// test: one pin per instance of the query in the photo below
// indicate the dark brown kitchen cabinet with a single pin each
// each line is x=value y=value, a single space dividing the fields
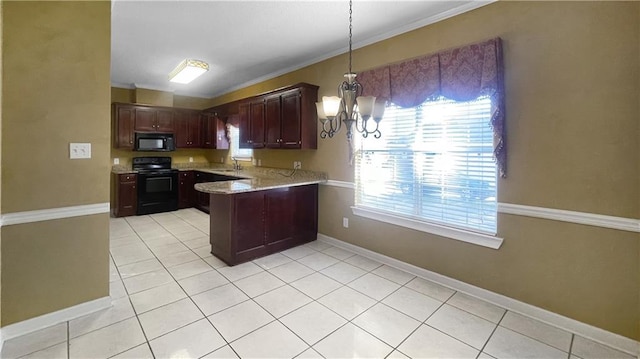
x=249 y=211
x=214 y=132
x=252 y=124
x=244 y=110
x=285 y=118
x=186 y=192
x=248 y=225
x=153 y=119
x=124 y=117
x=188 y=125
x=298 y=120
x=272 y=122
x=284 y=121
x=126 y=196
x=256 y=124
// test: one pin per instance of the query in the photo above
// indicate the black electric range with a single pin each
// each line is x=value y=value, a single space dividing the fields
x=157 y=185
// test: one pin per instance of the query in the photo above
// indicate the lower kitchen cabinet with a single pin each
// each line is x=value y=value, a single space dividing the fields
x=186 y=192
x=126 y=195
x=249 y=225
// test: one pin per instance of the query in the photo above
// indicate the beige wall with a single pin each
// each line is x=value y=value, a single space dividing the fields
x=572 y=85
x=153 y=97
x=51 y=265
x=56 y=62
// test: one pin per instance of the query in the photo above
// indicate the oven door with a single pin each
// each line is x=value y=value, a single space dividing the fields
x=157 y=192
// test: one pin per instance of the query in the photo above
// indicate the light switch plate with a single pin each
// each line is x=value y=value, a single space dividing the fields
x=79 y=150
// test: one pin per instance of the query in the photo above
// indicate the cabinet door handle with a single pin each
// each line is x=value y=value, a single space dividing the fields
x=292 y=143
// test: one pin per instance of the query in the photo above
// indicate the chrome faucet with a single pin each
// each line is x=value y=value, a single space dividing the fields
x=236 y=166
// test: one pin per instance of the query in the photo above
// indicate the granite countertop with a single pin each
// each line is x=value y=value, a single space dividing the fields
x=253 y=178
x=259 y=179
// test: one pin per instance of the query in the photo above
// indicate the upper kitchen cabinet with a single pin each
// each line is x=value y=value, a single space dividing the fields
x=291 y=120
x=188 y=125
x=251 y=122
x=285 y=118
x=153 y=119
x=214 y=132
x=123 y=118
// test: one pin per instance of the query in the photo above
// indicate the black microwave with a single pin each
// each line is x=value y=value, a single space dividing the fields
x=154 y=142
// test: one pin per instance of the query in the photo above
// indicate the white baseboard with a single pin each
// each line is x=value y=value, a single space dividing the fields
x=602 y=336
x=31 y=325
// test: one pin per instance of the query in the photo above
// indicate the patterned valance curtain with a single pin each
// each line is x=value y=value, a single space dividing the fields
x=460 y=74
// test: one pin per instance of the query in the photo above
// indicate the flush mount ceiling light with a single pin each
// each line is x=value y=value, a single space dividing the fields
x=349 y=106
x=188 y=70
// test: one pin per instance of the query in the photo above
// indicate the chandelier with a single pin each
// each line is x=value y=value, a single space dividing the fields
x=350 y=107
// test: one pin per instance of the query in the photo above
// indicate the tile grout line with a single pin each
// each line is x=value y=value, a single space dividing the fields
x=424 y=322
x=573 y=337
x=147 y=341
x=135 y=314
x=319 y=303
x=185 y=292
x=348 y=321
x=207 y=317
x=345 y=285
x=69 y=338
x=538 y=340
x=492 y=332
x=289 y=284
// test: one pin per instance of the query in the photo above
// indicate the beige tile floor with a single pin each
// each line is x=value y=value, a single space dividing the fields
x=173 y=299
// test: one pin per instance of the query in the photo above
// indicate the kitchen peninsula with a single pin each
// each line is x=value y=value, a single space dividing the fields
x=265 y=211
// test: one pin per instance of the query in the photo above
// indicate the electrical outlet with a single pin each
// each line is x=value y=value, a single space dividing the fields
x=297 y=165
x=190 y=159
x=253 y=161
x=221 y=159
x=79 y=150
x=116 y=161
x=345 y=222
x=259 y=162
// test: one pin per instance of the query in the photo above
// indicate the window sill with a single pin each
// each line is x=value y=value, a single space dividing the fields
x=480 y=239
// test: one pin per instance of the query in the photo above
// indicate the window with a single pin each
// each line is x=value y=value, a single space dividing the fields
x=434 y=163
x=242 y=154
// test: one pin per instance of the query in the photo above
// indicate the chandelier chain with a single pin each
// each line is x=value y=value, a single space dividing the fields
x=350 y=30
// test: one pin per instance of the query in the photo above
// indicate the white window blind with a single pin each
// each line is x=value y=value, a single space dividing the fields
x=433 y=163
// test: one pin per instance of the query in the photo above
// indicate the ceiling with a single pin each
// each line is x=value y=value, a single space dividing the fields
x=246 y=42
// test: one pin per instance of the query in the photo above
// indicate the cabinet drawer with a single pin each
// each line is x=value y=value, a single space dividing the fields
x=127 y=178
